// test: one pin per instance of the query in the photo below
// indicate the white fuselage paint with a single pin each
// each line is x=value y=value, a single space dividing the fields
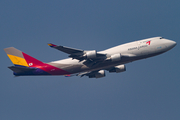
x=130 y=52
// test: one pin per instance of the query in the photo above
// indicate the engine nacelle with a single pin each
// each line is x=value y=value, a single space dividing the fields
x=119 y=68
x=91 y=54
x=99 y=74
x=116 y=57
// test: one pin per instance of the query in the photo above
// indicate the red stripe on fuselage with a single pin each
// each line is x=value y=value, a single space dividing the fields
x=32 y=62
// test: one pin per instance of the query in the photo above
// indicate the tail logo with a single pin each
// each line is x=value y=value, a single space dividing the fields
x=30 y=64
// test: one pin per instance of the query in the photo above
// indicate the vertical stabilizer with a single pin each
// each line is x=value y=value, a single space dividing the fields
x=20 y=58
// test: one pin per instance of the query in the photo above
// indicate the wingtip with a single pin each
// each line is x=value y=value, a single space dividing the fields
x=68 y=75
x=51 y=45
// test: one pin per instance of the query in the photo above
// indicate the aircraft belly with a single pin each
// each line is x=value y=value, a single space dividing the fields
x=77 y=68
x=71 y=68
x=104 y=65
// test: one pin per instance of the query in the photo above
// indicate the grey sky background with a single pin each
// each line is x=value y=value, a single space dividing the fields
x=148 y=90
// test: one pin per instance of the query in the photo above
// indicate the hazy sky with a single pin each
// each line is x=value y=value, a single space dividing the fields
x=148 y=90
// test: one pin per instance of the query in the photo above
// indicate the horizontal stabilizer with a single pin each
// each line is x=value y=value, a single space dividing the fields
x=18 y=69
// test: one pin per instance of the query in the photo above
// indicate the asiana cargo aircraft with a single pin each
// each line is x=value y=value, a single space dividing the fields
x=88 y=62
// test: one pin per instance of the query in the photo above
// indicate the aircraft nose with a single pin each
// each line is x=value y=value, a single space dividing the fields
x=171 y=44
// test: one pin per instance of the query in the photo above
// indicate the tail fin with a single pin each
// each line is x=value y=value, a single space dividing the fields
x=20 y=58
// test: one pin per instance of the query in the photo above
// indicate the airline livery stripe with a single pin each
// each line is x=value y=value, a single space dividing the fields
x=32 y=62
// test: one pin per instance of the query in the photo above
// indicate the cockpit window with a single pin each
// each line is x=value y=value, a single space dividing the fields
x=161 y=38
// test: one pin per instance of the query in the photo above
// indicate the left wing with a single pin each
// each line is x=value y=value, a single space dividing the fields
x=80 y=54
x=67 y=50
x=101 y=73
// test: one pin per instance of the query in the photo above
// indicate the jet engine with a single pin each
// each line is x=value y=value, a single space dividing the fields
x=116 y=57
x=119 y=68
x=98 y=74
x=91 y=54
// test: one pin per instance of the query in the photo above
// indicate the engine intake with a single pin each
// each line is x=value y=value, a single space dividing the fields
x=119 y=68
x=99 y=74
x=116 y=57
x=91 y=54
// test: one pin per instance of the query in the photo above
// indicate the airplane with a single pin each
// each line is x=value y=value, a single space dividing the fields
x=88 y=62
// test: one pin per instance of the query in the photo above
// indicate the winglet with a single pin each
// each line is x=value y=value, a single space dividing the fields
x=67 y=75
x=51 y=45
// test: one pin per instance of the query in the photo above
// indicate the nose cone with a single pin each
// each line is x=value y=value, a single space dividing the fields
x=174 y=43
x=168 y=43
x=171 y=44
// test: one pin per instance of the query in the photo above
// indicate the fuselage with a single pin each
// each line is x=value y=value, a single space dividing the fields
x=129 y=52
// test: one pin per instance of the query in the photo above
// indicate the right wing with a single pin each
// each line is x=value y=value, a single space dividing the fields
x=93 y=74
x=101 y=73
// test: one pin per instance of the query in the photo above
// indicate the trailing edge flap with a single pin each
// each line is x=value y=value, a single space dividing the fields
x=18 y=69
x=67 y=50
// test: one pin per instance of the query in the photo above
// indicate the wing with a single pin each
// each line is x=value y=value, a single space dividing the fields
x=101 y=73
x=67 y=50
x=93 y=74
x=80 y=54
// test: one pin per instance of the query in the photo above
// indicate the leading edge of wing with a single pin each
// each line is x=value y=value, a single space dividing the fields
x=65 y=49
